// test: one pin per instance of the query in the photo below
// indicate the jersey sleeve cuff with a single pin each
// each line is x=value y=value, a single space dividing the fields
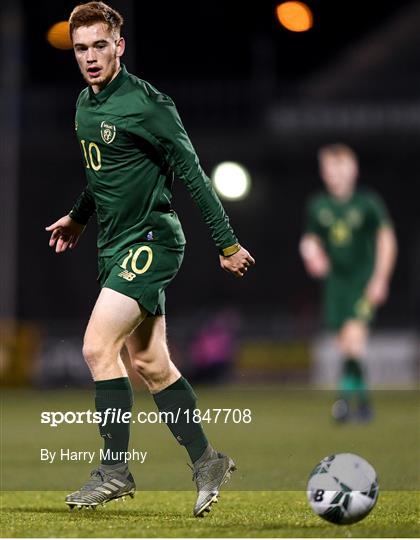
x=230 y=250
x=78 y=218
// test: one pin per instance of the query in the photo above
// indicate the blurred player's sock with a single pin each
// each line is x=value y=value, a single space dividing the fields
x=117 y=395
x=179 y=399
x=352 y=380
x=353 y=383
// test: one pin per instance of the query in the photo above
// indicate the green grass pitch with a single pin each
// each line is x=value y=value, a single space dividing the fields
x=289 y=432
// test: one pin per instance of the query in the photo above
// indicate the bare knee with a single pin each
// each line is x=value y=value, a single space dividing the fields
x=156 y=370
x=352 y=339
x=98 y=355
x=149 y=354
x=148 y=365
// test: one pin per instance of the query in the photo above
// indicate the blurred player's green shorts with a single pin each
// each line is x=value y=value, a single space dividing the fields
x=344 y=299
x=142 y=272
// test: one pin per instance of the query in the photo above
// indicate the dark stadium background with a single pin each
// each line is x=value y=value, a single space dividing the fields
x=248 y=90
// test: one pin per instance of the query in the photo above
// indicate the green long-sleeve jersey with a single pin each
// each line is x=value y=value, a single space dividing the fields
x=133 y=144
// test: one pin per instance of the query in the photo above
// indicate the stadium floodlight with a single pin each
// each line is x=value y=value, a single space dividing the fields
x=295 y=16
x=231 y=180
x=58 y=36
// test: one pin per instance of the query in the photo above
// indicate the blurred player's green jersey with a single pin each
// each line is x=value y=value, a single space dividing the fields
x=133 y=144
x=348 y=232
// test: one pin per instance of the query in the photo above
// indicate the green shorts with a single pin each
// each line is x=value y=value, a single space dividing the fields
x=142 y=272
x=344 y=299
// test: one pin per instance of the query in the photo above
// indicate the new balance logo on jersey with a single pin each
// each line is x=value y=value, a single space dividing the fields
x=125 y=274
x=108 y=132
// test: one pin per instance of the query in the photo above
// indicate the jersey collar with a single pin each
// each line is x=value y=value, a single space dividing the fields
x=110 y=88
x=338 y=202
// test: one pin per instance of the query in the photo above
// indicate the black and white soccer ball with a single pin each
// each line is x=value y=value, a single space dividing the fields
x=343 y=488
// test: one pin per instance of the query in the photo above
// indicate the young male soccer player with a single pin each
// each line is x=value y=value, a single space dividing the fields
x=349 y=241
x=133 y=143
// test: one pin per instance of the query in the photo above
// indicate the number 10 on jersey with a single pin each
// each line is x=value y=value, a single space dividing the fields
x=92 y=155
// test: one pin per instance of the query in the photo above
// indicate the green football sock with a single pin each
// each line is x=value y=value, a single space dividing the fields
x=352 y=380
x=117 y=395
x=179 y=399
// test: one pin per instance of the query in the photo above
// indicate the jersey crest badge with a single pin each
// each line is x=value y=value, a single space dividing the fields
x=108 y=132
x=340 y=233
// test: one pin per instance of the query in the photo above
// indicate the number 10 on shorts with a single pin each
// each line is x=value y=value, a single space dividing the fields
x=133 y=256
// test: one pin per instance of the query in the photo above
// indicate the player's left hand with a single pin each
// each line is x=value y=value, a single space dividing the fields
x=238 y=263
x=377 y=291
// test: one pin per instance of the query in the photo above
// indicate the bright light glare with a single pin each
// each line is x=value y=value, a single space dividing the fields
x=231 y=180
x=59 y=36
x=295 y=16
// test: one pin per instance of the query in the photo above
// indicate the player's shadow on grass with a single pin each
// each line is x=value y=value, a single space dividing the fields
x=100 y=513
x=248 y=530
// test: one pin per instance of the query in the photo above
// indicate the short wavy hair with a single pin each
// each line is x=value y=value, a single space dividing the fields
x=337 y=150
x=95 y=12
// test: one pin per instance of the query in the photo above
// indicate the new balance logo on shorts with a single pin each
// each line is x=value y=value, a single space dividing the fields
x=125 y=274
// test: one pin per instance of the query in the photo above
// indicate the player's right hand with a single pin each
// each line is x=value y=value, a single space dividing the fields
x=316 y=261
x=65 y=234
x=317 y=266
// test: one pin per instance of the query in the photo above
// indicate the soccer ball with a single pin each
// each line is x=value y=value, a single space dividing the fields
x=342 y=488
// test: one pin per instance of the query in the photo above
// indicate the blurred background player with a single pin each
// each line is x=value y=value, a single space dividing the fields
x=133 y=143
x=350 y=243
